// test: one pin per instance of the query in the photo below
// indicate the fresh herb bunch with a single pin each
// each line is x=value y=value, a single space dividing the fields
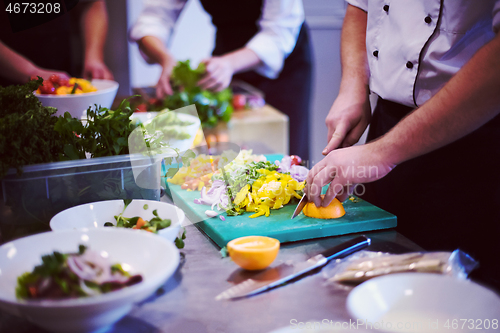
x=31 y=134
x=105 y=133
x=212 y=107
x=27 y=133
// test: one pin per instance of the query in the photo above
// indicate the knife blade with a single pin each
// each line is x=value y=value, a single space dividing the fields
x=303 y=201
x=285 y=272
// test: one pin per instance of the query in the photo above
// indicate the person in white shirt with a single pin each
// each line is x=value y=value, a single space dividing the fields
x=433 y=151
x=262 y=42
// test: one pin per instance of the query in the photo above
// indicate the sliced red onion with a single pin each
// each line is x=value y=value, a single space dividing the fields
x=211 y=213
x=298 y=172
x=91 y=266
x=222 y=217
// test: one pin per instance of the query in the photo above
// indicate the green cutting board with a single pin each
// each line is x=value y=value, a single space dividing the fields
x=360 y=216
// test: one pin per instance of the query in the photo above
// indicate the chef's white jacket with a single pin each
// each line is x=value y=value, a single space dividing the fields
x=279 y=27
x=415 y=46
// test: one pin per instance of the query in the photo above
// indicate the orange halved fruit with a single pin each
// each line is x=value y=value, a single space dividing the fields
x=253 y=252
x=333 y=211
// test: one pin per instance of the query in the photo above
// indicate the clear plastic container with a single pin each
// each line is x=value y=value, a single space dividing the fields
x=30 y=200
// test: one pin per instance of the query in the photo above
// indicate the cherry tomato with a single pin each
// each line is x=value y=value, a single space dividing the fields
x=47 y=88
x=239 y=101
x=54 y=78
x=141 y=108
x=63 y=82
x=296 y=160
x=155 y=101
x=34 y=77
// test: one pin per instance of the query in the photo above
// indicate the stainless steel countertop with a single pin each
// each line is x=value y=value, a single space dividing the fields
x=187 y=303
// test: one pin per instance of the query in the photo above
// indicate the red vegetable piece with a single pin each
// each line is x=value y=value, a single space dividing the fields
x=141 y=108
x=239 y=101
x=54 y=78
x=296 y=160
x=47 y=88
x=63 y=82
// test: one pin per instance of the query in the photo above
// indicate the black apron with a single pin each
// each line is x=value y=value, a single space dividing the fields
x=446 y=199
x=237 y=23
x=47 y=45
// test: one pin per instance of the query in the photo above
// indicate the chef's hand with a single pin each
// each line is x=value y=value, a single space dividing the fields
x=218 y=74
x=45 y=74
x=96 y=69
x=163 y=86
x=347 y=120
x=344 y=168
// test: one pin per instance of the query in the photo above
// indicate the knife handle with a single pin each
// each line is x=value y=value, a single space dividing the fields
x=346 y=248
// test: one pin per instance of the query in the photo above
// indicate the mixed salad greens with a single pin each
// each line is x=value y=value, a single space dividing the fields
x=71 y=275
x=212 y=107
x=251 y=186
x=136 y=222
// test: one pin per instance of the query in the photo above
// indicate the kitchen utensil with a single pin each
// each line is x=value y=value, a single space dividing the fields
x=285 y=272
x=300 y=206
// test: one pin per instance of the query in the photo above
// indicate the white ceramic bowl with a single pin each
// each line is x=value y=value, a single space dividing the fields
x=94 y=215
x=153 y=257
x=77 y=104
x=424 y=302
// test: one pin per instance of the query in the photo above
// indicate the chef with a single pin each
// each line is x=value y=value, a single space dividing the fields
x=262 y=42
x=46 y=49
x=433 y=150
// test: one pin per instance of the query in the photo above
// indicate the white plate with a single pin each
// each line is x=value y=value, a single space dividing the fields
x=424 y=302
x=94 y=215
x=155 y=258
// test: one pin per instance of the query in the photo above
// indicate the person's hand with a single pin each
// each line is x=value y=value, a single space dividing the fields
x=347 y=120
x=94 y=69
x=45 y=74
x=218 y=75
x=344 y=168
x=163 y=87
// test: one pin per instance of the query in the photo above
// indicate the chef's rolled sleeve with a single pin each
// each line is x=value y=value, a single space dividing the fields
x=157 y=19
x=496 y=17
x=361 y=4
x=279 y=28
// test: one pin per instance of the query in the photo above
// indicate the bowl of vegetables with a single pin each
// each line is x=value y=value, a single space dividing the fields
x=82 y=280
x=155 y=217
x=76 y=95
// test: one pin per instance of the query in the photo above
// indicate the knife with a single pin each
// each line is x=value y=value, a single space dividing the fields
x=285 y=272
x=300 y=206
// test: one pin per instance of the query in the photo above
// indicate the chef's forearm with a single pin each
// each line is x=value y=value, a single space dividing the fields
x=469 y=100
x=94 y=24
x=156 y=51
x=15 y=67
x=243 y=59
x=354 y=62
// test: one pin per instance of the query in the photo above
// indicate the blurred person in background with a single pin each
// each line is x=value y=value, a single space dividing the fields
x=433 y=151
x=262 y=42
x=47 y=49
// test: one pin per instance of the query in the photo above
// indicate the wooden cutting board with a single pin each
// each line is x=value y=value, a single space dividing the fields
x=360 y=216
